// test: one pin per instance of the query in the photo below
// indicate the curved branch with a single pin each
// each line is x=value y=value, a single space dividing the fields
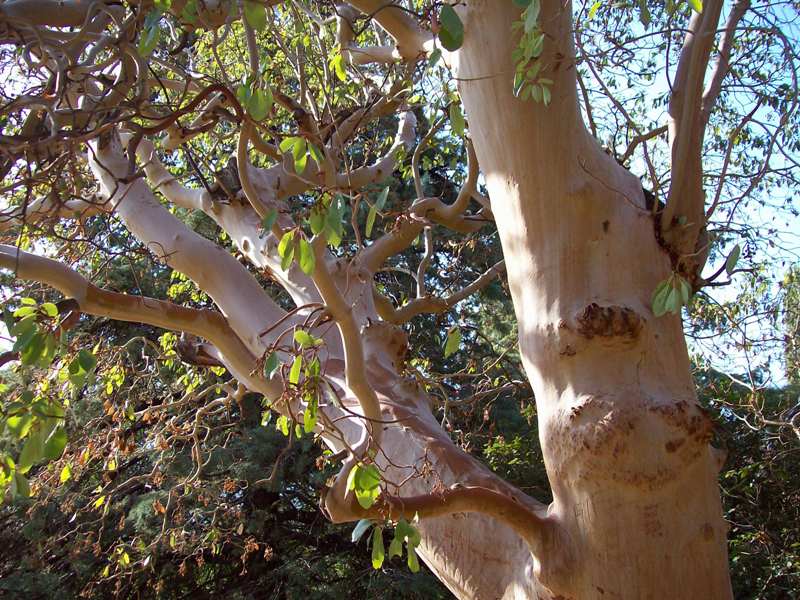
x=355 y=366
x=723 y=60
x=214 y=270
x=424 y=211
x=411 y=40
x=96 y=301
x=683 y=217
x=432 y=304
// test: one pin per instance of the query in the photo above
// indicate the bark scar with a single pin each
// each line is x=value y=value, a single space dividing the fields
x=608 y=321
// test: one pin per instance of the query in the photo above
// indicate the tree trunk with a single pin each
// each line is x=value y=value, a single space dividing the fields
x=625 y=443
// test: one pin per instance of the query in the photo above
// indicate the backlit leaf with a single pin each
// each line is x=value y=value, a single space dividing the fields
x=451 y=32
x=453 y=341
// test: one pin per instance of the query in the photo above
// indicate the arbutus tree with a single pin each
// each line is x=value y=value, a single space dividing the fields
x=120 y=120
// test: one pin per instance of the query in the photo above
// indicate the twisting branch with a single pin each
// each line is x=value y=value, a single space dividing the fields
x=639 y=139
x=208 y=324
x=355 y=366
x=723 y=60
x=432 y=304
x=424 y=211
x=49 y=207
x=214 y=270
x=527 y=517
x=411 y=40
x=682 y=219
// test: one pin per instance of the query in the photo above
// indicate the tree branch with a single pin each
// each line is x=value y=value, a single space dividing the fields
x=723 y=60
x=683 y=217
x=432 y=304
x=355 y=366
x=96 y=301
x=213 y=269
x=424 y=211
x=410 y=38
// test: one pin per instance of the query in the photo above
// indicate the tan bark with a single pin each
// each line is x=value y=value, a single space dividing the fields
x=636 y=511
x=625 y=444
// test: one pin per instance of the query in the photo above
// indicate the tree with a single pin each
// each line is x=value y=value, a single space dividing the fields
x=298 y=309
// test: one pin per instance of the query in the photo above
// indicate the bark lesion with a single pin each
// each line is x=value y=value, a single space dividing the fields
x=608 y=321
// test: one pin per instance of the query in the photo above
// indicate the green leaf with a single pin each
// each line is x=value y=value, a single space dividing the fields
x=87 y=360
x=310 y=415
x=413 y=561
x=532 y=16
x=271 y=364
x=151 y=33
x=373 y=213
x=313 y=368
x=24 y=311
x=32 y=452
x=50 y=309
x=367 y=477
x=243 y=93
x=316 y=154
x=396 y=546
x=673 y=300
x=546 y=95
x=19 y=486
x=294 y=372
x=269 y=220
x=189 y=12
x=536 y=93
x=453 y=341
x=378 y=550
x=260 y=103
x=19 y=425
x=414 y=537
x=256 y=15
x=685 y=290
x=25 y=330
x=360 y=529
x=522 y=3
x=286 y=243
x=733 y=258
x=451 y=32
x=305 y=339
x=457 y=119
x=593 y=10
x=287 y=259
x=351 y=478
x=659 y=299
x=365 y=482
x=333 y=218
x=367 y=497
x=644 y=13
x=300 y=155
x=380 y=202
x=307 y=260
x=435 y=56
x=55 y=444
x=287 y=144
x=317 y=220
x=336 y=64
x=32 y=351
x=697 y=5
x=282 y=425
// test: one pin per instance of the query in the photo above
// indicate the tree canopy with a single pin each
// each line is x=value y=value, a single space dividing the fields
x=223 y=222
